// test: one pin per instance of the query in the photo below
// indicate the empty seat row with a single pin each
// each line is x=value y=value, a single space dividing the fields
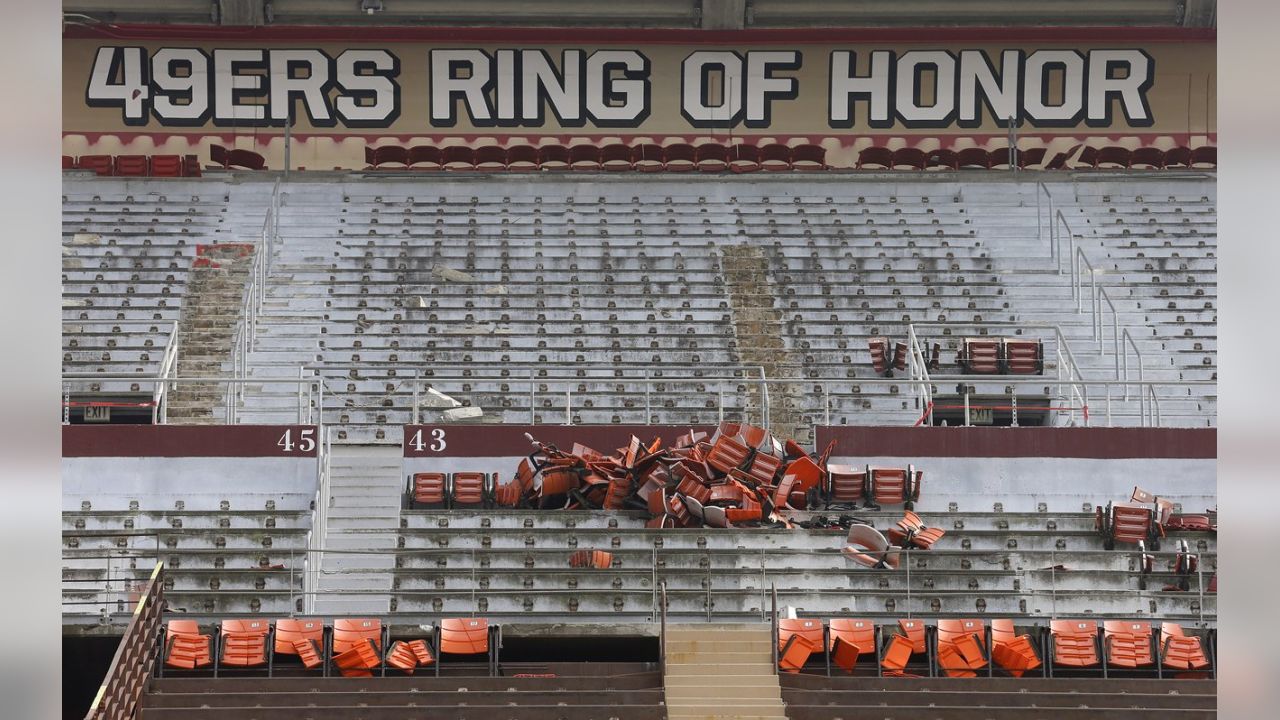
x=646 y=157
x=354 y=646
x=967 y=648
x=135 y=165
x=1089 y=157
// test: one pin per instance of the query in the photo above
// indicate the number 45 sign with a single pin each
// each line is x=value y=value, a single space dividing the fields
x=298 y=441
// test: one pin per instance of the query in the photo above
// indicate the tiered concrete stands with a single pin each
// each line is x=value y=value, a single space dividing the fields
x=242 y=560
x=474 y=283
x=128 y=246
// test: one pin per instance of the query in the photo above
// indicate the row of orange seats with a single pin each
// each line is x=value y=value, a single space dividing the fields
x=353 y=645
x=644 y=157
x=965 y=648
x=135 y=165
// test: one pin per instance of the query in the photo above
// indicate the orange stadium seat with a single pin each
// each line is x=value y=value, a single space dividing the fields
x=979 y=356
x=597 y=559
x=1127 y=643
x=470 y=489
x=464 y=636
x=797 y=640
x=1016 y=654
x=1127 y=523
x=879 y=349
x=961 y=647
x=846 y=486
x=911 y=531
x=1075 y=643
x=1021 y=357
x=1181 y=652
x=893 y=486
x=301 y=637
x=244 y=643
x=848 y=640
x=357 y=646
x=901 y=647
x=409 y=655
x=186 y=648
x=428 y=490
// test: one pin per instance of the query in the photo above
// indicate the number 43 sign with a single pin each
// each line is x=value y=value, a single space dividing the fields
x=428 y=440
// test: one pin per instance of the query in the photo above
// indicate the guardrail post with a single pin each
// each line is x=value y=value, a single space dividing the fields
x=648 y=411
x=966 y=406
x=773 y=624
x=533 y=391
x=1013 y=405
x=414 y=417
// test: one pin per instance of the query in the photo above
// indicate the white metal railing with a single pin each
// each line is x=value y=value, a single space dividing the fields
x=75 y=382
x=168 y=368
x=1062 y=227
x=1042 y=189
x=918 y=373
x=319 y=521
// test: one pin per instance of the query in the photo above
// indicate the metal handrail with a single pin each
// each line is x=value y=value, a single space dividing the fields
x=662 y=632
x=1041 y=187
x=168 y=367
x=1060 y=219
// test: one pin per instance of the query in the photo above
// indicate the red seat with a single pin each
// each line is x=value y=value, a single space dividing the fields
x=974 y=157
x=458 y=157
x=596 y=559
x=712 y=157
x=584 y=157
x=1114 y=156
x=387 y=155
x=190 y=166
x=879 y=349
x=616 y=157
x=100 y=164
x=1075 y=643
x=1204 y=156
x=553 y=157
x=893 y=486
x=1178 y=157
x=1059 y=161
x=244 y=642
x=522 y=157
x=425 y=157
x=944 y=158
x=1031 y=157
x=911 y=530
x=68 y=162
x=490 y=157
x=186 y=648
x=744 y=158
x=1088 y=157
x=910 y=640
x=775 y=157
x=913 y=158
x=464 y=636
x=1127 y=523
x=166 y=165
x=408 y=655
x=679 y=157
x=980 y=356
x=301 y=637
x=846 y=485
x=1147 y=157
x=1022 y=357
x=878 y=156
x=808 y=158
x=727 y=454
x=647 y=157
x=428 y=489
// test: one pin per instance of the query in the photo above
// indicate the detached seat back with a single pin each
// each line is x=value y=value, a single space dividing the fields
x=911 y=531
x=185 y=647
x=1015 y=653
x=961 y=647
x=867 y=546
x=1075 y=643
x=850 y=639
x=901 y=647
x=798 y=639
x=409 y=655
x=300 y=637
x=244 y=643
x=357 y=646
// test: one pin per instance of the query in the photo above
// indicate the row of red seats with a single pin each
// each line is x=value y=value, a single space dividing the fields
x=135 y=165
x=1001 y=356
x=645 y=157
x=1090 y=157
x=352 y=645
x=963 y=648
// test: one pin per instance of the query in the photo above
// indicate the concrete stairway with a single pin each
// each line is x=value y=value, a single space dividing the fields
x=758 y=328
x=721 y=671
x=206 y=332
x=364 y=514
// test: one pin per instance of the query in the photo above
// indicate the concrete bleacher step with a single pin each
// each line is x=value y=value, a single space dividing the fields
x=721 y=671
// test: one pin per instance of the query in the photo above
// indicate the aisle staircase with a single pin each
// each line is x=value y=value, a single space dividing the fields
x=721 y=670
